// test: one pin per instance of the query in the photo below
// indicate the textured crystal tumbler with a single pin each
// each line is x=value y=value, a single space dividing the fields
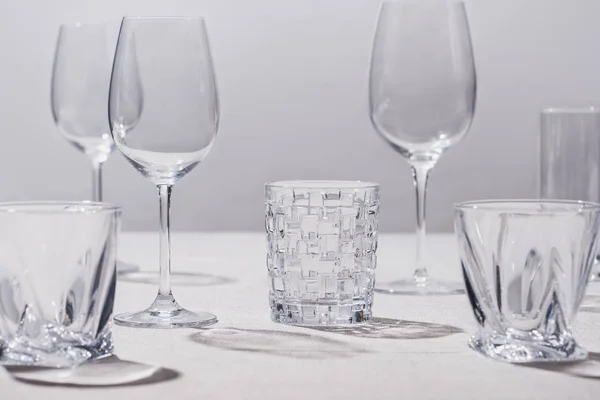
x=322 y=244
x=526 y=264
x=57 y=282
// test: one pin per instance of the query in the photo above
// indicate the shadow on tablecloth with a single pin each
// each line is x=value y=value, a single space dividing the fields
x=106 y=372
x=387 y=328
x=278 y=343
x=589 y=368
x=177 y=278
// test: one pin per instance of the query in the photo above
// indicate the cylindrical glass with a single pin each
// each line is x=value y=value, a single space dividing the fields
x=570 y=154
x=526 y=264
x=57 y=282
x=322 y=251
x=570 y=157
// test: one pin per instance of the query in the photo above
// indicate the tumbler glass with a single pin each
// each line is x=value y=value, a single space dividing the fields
x=526 y=264
x=57 y=282
x=322 y=245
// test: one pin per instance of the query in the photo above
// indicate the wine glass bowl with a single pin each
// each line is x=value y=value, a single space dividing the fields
x=422 y=78
x=164 y=114
x=149 y=141
x=422 y=91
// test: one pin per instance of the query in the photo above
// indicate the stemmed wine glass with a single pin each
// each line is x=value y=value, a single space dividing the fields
x=79 y=94
x=164 y=114
x=422 y=100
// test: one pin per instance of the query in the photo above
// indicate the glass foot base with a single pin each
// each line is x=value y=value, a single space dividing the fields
x=165 y=313
x=430 y=287
x=181 y=318
x=504 y=349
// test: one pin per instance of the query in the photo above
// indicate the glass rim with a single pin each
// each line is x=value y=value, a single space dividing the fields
x=55 y=207
x=322 y=184
x=79 y=24
x=446 y=3
x=503 y=205
x=570 y=110
x=166 y=17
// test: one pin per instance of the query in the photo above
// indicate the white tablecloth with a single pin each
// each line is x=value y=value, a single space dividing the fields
x=246 y=356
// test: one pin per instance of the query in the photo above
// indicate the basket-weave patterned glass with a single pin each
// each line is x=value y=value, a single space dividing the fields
x=322 y=243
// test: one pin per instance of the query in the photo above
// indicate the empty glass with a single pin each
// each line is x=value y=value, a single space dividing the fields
x=79 y=96
x=57 y=282
x=422 y=100
x=322 y=245
x=570 y=156
x=526 y=264
x=164 y=114
x=79 y=93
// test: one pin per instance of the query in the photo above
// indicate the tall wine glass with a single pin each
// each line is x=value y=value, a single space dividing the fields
x=164 y=114
x=79 y=94
x=422 y=100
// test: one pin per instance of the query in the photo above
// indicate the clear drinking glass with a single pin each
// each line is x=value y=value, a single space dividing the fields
x=322 y=245
x=79 y=92
x=422 y=100
x=57 y=282
x=526 y=264
x=570 y=157
x=79 y=95
x=164 y=114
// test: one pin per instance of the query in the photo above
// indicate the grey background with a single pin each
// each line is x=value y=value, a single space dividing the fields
x=293 y=86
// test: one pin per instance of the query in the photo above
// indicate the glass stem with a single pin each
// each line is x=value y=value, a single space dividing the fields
x=164 y=290
x=96 y=180
x=420 y=176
